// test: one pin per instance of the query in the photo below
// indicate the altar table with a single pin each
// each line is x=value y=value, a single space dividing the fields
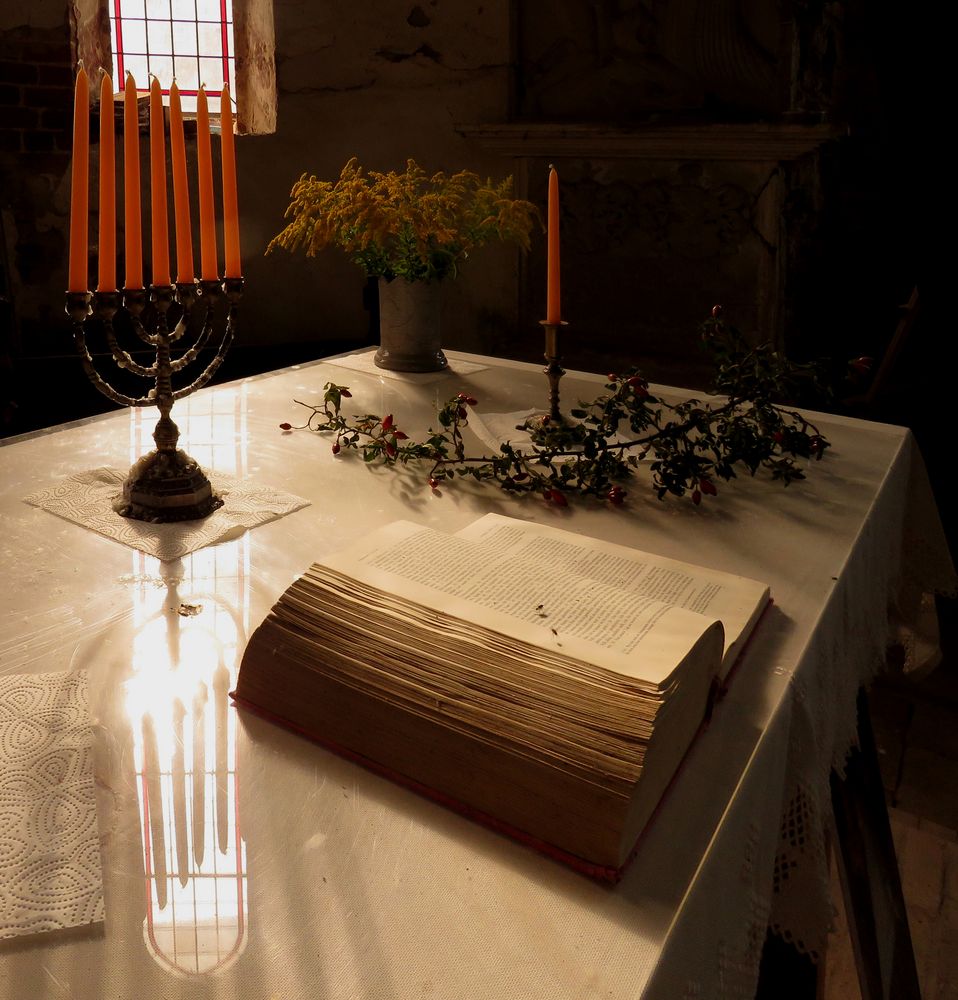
x=257 y=866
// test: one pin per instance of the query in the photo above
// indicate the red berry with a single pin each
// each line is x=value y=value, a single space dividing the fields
x=612 y=378
x=336 y=448
x=616 y=495
x=400 y=435
x=862 y=365
x=696 y=497
x=716 y=312
x=708 y=487
x=472 y=401
x=558 y=498
x=433 y=483
x=285 y=427
x=387 y=422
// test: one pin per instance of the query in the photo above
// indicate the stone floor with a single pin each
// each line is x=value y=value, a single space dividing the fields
x=916 y=732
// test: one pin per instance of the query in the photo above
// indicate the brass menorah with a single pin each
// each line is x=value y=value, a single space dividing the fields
x=165 y=485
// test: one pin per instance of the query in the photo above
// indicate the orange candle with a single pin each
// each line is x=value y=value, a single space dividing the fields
x=160 y=233
x=107 y=205
x=131 y=186
x=181 y=191
x=79 y=184
x=204 y=158
x=553 y=310
x=230 y=207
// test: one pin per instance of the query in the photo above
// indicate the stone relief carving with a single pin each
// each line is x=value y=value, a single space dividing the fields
x=663 y=217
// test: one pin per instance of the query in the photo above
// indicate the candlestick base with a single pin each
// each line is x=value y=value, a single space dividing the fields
x=167 y=485
x=553 y=370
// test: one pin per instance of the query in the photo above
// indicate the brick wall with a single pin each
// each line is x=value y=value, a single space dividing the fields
x=36 y=89
x=36 y=122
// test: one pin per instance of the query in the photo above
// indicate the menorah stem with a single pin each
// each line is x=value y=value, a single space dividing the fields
x=166 y=433
x=167 y=485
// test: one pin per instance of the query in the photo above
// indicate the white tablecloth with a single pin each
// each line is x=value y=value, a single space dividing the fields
x=241 y=861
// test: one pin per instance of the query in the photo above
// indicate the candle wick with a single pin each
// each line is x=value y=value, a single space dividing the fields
x=552 y=166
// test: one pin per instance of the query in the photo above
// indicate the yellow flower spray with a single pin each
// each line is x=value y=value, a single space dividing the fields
x=408 y=224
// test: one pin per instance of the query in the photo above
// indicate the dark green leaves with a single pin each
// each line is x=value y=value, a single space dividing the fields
x=692 y=444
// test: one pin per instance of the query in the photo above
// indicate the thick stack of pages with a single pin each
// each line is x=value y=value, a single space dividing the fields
x=543 y=682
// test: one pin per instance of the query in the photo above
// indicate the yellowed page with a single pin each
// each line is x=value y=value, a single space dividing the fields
x=736 y=601
x=630 y=634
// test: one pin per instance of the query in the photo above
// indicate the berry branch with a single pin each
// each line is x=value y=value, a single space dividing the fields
x=692 y=444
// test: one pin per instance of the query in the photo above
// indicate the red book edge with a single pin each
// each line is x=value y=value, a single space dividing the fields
x=601 y=873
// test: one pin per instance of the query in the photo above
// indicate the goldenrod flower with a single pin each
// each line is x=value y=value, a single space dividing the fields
x=405 y=224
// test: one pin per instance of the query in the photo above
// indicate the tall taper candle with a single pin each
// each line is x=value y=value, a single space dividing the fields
x=230 y=207
x=553 y=308
x=106 y=208
x=204 y=162
x=158 y=219
x=79 y=185
x=181 y=190
x=131 y=187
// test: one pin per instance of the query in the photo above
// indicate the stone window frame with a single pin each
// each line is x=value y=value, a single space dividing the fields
x=254 y=40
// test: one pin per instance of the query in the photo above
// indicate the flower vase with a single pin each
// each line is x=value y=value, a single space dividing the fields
x=409 y=332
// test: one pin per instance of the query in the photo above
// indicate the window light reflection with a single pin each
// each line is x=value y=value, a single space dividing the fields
x=189 y=632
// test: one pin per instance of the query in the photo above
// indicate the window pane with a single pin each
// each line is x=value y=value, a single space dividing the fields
x=137 y=65
x=211 y=73
x=211 y=39
x=159 y=38
x=162 y=68
x=134 y=36
x=184 y=38
x=208 y=10
x=187 y=72
x=188 y=104
x=158 y=8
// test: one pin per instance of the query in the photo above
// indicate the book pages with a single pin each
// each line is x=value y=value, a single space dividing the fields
x=736 y=601
x=585 y=619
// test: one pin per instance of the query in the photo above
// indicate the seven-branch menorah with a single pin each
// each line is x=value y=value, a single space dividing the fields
x=166 y=484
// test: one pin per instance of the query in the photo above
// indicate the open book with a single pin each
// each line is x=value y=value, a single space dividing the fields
x=546 y=683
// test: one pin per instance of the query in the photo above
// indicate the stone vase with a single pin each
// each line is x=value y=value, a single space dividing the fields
x=409 y=333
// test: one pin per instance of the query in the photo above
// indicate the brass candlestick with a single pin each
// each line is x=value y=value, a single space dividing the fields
x=554 y=370
x=165 y=485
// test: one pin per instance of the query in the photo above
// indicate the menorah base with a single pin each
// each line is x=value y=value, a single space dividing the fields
x=167 y=486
